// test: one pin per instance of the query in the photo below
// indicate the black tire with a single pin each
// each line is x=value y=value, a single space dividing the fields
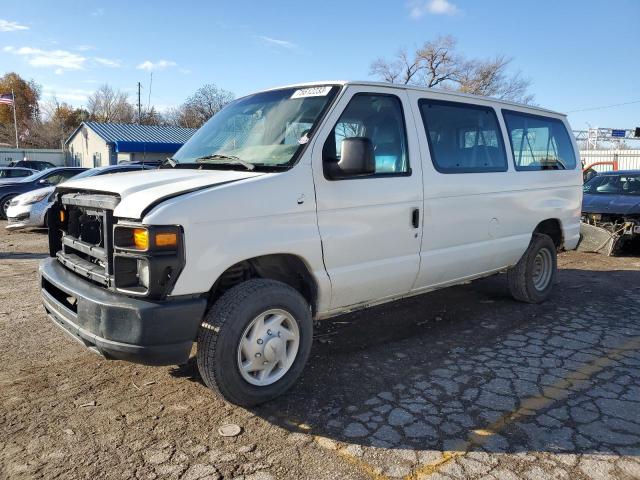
x=521 y=276
x=223 y=326
x=3 y=202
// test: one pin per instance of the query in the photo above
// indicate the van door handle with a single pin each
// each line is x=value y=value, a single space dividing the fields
x=415 y=217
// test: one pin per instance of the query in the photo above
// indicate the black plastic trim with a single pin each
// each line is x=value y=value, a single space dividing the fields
x=119 y=327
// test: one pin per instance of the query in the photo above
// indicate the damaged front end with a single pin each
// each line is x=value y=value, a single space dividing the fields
x=608 y=233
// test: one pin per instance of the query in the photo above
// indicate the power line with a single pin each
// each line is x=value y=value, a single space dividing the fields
x=604 y=106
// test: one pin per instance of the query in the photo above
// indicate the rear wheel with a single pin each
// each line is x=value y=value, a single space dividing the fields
x=255 y=341
x=531 y=279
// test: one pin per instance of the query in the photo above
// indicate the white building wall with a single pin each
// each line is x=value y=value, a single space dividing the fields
x=627 y=159
x=85 y=145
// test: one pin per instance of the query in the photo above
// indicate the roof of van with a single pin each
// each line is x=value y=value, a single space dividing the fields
x=437 y=91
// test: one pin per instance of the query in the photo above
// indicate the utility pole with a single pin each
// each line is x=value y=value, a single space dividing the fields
x=139 y=104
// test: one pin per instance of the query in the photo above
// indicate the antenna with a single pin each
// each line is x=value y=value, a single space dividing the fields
x=139 y=104
x=150 y=84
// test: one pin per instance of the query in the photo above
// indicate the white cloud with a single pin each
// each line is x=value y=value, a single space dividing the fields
x=61 y=60
x=107 y=62
x=98 y=12
x=159 y=65
x=419 y=8
x=277 y=42
x=72 y=95
x=7 y=26
x=85 y=48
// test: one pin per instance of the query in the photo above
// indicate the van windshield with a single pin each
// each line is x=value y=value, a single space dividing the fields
x=267 y=129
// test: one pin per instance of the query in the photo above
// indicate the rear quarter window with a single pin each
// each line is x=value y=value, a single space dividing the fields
x=538 y=142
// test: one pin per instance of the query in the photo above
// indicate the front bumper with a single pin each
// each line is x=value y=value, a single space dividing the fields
x=116 y=326
x=26 y=216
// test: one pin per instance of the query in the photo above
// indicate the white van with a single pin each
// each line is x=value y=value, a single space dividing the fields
x=302 y=203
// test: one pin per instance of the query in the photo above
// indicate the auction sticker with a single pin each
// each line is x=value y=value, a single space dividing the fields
x=311 y=92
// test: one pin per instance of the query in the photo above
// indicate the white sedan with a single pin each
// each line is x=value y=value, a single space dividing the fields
x=30 y=209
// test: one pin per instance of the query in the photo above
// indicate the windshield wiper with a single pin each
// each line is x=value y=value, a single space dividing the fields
x=225 y=159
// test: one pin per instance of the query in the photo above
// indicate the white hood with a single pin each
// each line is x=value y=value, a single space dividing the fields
x=138 y=190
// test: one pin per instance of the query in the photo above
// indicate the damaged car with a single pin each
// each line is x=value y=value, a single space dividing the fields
x=611 y=211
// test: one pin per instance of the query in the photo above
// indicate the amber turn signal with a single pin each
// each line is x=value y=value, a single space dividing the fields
x=166 y=239
x=61 y=216
x=141 y=238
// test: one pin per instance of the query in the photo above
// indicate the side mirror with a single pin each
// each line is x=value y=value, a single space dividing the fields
x=44 y=181
x=356 y=158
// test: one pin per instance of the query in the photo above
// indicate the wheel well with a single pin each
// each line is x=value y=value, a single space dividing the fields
x=285 y=268
x=553 y=229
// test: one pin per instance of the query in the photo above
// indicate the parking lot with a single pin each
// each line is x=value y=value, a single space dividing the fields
x=460 y=383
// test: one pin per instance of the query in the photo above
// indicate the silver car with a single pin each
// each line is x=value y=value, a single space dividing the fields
x=29 y=210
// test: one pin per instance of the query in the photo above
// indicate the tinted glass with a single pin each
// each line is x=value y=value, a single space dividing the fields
x=539 y=143
x=623 y=184
x=463 y=138
x=379 y=118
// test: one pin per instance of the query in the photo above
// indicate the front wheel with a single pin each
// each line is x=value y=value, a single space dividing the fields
x=254 y=342
x=4 y=206
x=531 y=279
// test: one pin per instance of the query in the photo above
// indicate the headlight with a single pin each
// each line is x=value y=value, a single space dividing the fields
x=143 y=239
x=34 y=198
x=147 y=259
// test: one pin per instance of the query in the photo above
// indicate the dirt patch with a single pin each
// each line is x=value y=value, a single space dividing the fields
x=387 y=391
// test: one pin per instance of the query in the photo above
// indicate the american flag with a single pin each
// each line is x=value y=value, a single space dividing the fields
x=6 y=98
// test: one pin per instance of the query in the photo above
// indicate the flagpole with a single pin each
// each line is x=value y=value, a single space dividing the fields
x=15 y=122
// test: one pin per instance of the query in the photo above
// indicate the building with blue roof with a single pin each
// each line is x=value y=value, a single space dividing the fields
x=95 y=144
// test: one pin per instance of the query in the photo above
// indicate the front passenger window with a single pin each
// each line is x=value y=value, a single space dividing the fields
x=379 y=118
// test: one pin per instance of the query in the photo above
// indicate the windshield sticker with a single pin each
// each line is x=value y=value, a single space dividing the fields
x=311 y=92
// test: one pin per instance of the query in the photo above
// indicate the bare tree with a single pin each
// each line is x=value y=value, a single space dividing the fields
x=491 y=78
x=437 y=64
x=199 y=107
x=109 y=105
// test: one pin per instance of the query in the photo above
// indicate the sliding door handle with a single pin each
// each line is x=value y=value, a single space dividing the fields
x=415 y=218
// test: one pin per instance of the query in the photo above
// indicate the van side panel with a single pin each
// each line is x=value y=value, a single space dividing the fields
x=482 y=222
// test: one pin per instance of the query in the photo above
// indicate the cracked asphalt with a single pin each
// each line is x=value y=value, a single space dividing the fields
x=459 y=383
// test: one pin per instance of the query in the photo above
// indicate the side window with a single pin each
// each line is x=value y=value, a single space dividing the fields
x=377 y=117
x=54 y=179
x=539 y=143
x=463 y=138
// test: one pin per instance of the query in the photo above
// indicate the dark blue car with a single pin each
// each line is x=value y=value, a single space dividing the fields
x=612 y=202
x=45 y=178
x=613 y=194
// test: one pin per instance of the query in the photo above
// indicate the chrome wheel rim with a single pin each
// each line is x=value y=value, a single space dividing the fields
x=268 y=347
x=542 y=269
x=5 y=206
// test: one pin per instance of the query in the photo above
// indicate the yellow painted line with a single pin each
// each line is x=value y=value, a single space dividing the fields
x=530 y=405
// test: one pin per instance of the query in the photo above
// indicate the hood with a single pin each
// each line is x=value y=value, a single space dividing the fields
x=33 y=193
x=611 y=204
x=139 y=190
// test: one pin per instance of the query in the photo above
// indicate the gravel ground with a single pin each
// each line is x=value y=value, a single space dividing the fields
x=460 y=383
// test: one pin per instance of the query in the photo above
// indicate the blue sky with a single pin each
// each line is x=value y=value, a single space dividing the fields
x=579 y=54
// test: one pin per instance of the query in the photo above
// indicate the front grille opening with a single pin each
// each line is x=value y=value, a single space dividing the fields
x=68 y=301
